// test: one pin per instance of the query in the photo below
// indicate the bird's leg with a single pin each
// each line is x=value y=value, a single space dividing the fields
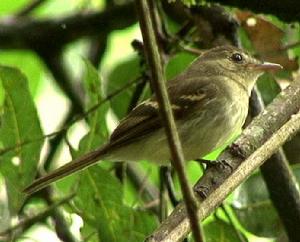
x=167 y=173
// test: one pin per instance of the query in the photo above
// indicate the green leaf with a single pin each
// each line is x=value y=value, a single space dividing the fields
x=219 y=230
x=98 y=132
x=255 y=210
x=178 y=63
x=30 y=64
x=99 y=200
x=9 y=7
x=19 y=123
x=5 y=215
x=268 y=88
x=122 y=74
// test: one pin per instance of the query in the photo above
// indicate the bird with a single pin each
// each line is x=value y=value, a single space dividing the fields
x=209 y=100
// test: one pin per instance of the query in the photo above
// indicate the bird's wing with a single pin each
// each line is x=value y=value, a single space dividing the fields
x=143 y=119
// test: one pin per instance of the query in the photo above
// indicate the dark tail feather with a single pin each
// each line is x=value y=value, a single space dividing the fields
x=67 y=169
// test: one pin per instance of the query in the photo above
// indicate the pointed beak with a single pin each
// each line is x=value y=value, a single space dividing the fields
x=266 y=66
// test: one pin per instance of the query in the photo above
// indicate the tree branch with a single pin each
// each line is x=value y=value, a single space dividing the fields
x=28 y=33
x=219 y=181
x=281 y=182
x=158 y=82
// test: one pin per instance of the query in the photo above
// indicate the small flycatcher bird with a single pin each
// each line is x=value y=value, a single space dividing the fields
x=209 y=100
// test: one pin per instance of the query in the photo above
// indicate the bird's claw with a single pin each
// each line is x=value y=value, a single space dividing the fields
x=236 y=150
x=202 y=191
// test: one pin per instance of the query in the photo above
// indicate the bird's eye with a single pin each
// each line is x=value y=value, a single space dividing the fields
x=236 y=57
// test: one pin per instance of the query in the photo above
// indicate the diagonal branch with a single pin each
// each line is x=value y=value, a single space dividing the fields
x=283 y=190
x=219 y=181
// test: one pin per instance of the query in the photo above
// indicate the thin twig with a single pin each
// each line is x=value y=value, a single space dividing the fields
x=290 y=46
x=163 y=204
x=30 y=33
x=191 y=50
x=57 y=138
x=26 y=223
x=170 y=186
x=158 y=81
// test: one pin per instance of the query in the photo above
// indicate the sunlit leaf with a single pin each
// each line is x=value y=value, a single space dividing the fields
x=220 y=231
x=19 y=123
x=268 y=88
x=178 y=63
x=96 y=120
x=123 y=73
x=98 y=132
x=8 y=6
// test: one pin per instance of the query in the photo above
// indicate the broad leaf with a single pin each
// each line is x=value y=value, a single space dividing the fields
x=255 y=210
x=19 y=123
x=220 y=231
x=268 y=88
x=178 y=63
x=98 y=132
x=121 y=75
x=96 y=120
x=99 y=200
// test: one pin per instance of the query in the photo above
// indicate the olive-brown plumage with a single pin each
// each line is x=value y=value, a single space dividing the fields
x=209 y=101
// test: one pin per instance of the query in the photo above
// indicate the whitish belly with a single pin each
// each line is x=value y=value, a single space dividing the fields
x=199 y=136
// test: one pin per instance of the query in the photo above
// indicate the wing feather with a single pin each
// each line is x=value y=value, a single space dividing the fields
x=143 y=119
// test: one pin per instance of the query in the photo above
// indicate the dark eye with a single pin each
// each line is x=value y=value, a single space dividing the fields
x=236 y=57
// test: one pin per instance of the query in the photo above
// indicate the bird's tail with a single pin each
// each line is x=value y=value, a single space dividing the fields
x=69 y=168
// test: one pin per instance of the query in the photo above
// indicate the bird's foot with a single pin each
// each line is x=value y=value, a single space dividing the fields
x=202 y=191
x=236 y=150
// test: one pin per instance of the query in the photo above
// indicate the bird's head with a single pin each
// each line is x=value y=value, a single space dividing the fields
x=236 y=64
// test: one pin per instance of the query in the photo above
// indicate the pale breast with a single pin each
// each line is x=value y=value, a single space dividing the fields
x=212 y=130
x=200 y=133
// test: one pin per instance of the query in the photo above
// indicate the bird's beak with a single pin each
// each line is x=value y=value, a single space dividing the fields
x=266 y=66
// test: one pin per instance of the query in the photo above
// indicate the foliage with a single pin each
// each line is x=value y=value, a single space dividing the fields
x=108 y=202
x=19 y=124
